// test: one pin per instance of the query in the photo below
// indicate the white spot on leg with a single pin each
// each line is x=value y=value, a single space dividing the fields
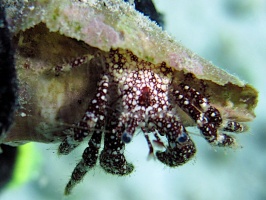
x=186 y=102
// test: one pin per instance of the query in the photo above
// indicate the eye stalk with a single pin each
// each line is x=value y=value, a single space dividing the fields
x=182 y=138
x=126 y=137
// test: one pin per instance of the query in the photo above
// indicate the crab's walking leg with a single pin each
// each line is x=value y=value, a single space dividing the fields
x=201 y=102
x=94 y=117
x=232 y=126
x=88 y=161
x=72 y=64
x=206 y=116
x=112 y=158
x=180 y=147
x=94 y=114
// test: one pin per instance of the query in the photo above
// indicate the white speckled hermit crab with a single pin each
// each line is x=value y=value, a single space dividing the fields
x=143 y=79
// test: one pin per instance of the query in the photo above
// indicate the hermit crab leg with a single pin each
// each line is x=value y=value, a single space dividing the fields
x=87 y=162
x=180 y=147
x=207 y=117
x=94 y=114
x=94 y=118
x=201 y=102
x=76 y=62
x=112 y=158
x=232 y=126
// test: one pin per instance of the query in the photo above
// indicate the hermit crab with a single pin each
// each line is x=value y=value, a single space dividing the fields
x=99 y=71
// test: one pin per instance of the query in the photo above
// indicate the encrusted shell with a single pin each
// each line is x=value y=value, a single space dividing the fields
x=51 y=32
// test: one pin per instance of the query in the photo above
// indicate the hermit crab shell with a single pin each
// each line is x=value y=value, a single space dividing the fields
x=48 y=33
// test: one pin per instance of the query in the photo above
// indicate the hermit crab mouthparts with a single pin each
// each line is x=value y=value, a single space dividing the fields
x=106 y=71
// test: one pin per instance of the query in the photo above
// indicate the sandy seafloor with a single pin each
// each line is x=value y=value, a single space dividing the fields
x=230 y=33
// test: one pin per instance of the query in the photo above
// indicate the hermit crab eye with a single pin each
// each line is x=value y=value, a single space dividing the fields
x=126 y=137
x=182 y=138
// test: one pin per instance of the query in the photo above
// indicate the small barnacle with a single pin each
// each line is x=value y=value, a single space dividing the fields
x=99 y=70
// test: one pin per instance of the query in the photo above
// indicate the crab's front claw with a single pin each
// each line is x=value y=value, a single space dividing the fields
x=180 y=147
x=177 y=155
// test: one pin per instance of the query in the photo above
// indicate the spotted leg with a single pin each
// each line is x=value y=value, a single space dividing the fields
x=58 y=69
x=202 y=103
x=94 y=114
x=112 y=158
x=92 y=122
x=232 y=126
x=207 y=117
x=180 y=147
x=88 y=161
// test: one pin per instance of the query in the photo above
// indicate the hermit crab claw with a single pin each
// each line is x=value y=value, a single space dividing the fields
x=178 y=155
x=180 y=147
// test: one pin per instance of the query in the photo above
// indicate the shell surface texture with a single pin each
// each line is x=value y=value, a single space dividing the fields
x=101 y=72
